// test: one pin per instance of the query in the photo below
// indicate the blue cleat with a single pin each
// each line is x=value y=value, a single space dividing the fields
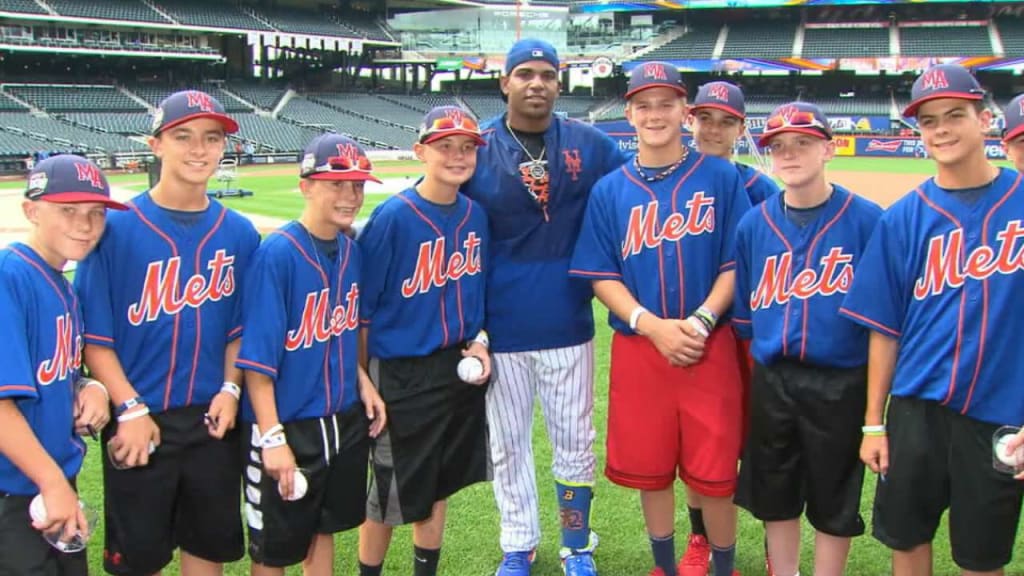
x=516 y=563
x=579 y=564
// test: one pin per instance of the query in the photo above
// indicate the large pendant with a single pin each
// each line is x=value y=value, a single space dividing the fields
x=537 y=169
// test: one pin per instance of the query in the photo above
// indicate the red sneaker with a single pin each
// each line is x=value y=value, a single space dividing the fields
x=697 y=558
x=657 y=571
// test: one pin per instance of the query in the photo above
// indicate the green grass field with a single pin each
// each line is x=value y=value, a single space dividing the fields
x=471 y=546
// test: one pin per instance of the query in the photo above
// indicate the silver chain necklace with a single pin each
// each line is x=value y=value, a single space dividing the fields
x=537 y=169
x=316 y=251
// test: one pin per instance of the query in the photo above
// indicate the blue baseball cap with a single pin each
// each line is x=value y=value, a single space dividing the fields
x=69 y=179
x=336 y=157
x=721 y=96
x=943 y=81
x=799 y=117
x=187 y=105
x=1014 y=118
x=529 y=49
x=655 y=75
x=444 y=121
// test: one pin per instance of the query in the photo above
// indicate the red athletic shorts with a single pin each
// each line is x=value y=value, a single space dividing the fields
x=665 y=420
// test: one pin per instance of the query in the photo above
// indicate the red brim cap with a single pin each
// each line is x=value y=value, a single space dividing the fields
x=446 y=133
x=82 y=197
x=767 y=136
x=911 y=110
x=638 y=89
x=722 y=107
x=1011 y=134
x=350 y=176
x=229 y=124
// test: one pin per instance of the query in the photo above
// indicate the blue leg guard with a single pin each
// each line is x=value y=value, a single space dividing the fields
x=574 y=509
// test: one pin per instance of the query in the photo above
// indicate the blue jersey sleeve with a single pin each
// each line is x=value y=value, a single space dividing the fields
x=596 y=256
x=92 y=284
x=735 y=204
x=246 y=251
x=877 y=299
x=377 y=248
x=17 y=379
x=741 y=315
x=265 y=312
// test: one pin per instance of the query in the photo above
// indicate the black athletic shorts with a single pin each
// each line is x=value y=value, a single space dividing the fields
x=187 y=497
x=24 y=552
x=435 y=442
x=940 y=459
x=803 y=446
x=334 y=453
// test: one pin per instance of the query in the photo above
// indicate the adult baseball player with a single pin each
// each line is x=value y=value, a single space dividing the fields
x=44 y=405
x=533 y=178
x=938 y=286
x=160 y=296
x=1013 y=134
x=657 y=242
x=795 y=258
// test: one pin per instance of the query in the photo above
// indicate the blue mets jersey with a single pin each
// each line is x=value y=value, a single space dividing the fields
x=423 y=276
x=791 y=280
x=40 y=359
x=165 y=296
x=945 y=278
x=666 y=240
x=759 y=186
x=301 y=319
x=532 y=302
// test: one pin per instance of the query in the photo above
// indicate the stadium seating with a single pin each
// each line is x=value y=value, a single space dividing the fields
x=117 y=122
x=18 y=145
x=762 y=105
x=155 y=94
x=838 y=42
x=6 y=104
x=71 y=98
x=369 y=105
x=576 y=106
x=763 y=39
x=107 y=10
x=298 y=22
x=276 y=134
x=484 y=106
x=697 y=43
x=322 y=117
x=956 y=41
x=421 y=103
x=866 y=106
x=25 y=6
x=60 y=132
x=366 y=28
x=215 y=13
x=1012 y=33
x=265 y=97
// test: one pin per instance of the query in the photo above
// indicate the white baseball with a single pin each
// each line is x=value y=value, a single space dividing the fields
x=470 y=369
x=37 y=509
x=299 y=487
x=1014 y=460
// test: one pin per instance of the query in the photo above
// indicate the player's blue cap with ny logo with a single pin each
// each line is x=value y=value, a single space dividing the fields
x=1014 y=118
x=721 y=96
x=189 y=105
x=69 y=179
x=529 y=49
x=336 y=157
x=655 y=75
x=943 y=81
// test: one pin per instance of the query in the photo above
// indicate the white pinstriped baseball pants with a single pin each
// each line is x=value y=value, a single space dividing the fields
x=563 y=378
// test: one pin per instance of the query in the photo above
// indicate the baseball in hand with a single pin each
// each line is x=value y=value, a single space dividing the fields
x=470 y=369
x=37 y=509
x=299 y=487
x=1013 y=460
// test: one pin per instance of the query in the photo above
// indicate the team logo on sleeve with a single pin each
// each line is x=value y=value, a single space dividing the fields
x=67 y=353
x=321 y=320
x=946 y=264
x=163 y=291
x=776 y=288
x=433 y=270
x=644 y=232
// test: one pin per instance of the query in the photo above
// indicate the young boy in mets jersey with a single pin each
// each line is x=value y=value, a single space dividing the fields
x=657 y=242
x=1013 y=134
x=795 y=258
x=718 y=119
x=422 y=308
x=161 y=300
x=44 y=404
x=309 y=405
x=938 y=286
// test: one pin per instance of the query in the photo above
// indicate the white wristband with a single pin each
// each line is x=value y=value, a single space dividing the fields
x=84 y=383
x=634 y=317
x=275 y=429
x=698 y=326
x=233 y=389
x=133 y=415
x=483 y=339
x=278 y=439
